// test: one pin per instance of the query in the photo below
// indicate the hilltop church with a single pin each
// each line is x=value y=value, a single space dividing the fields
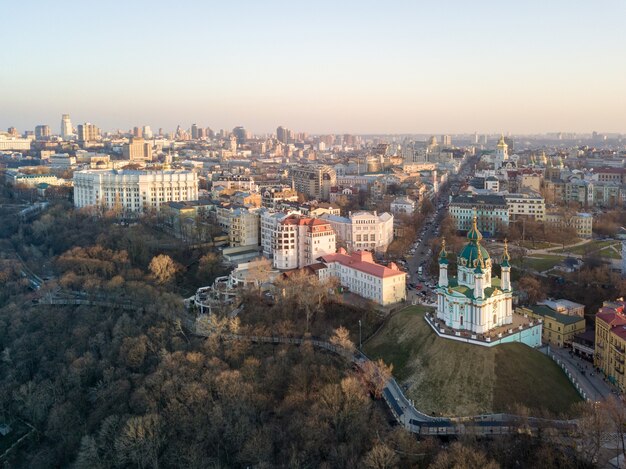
x=474 y=301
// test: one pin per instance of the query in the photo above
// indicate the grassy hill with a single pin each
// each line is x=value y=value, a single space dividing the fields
x=451 y=378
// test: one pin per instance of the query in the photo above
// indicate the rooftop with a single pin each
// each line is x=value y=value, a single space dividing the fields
x=545 y=311
x=364 y=262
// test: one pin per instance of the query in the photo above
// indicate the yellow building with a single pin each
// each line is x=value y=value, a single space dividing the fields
x=558 y=329
x=610 y=352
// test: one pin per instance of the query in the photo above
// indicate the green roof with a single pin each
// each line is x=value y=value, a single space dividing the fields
x=545 y=311
x=470 y=253
x=453 y=284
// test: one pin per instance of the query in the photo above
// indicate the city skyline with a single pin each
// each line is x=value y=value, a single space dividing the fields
x=349 y=68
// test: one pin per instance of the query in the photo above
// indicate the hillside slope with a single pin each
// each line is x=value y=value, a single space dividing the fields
x=451 y=378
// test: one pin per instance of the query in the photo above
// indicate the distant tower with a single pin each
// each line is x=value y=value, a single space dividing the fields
x=66 y=127
x=502 y=153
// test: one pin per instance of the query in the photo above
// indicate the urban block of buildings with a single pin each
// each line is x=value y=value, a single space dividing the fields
x=610 y=342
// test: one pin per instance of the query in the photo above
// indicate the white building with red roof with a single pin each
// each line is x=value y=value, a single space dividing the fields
x=298 y=241
x=361 y=275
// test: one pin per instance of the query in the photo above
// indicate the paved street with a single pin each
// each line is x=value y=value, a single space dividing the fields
x=591 y=382
x=422 y=256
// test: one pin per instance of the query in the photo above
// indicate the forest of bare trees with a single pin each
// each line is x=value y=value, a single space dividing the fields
x=105 y=387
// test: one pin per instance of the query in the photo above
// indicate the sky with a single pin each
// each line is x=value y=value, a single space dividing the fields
x=319 y=66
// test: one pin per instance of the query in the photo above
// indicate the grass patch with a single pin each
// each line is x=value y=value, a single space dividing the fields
x=444 y=377
x=591 y=246
x=610 y=253
x=539 y=262
x=536 y=245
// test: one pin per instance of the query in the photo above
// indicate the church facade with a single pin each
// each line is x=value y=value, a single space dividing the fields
x=474 y=301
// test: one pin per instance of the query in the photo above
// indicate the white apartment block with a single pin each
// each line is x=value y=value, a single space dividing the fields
x=581 y=222
x=133 y=190
x=269 y=220
x=14 y=143
x=402 y=206
x=363 y=230
x=361 y=275
x=14 y=178
x=526 y=205
x=242 y=183
x=298 y=241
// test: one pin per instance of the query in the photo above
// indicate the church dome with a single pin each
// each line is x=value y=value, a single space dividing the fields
x=473 y=252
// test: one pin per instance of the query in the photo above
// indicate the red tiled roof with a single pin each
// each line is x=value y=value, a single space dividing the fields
x=619 y=331
x=609 y=170
x=612 y=317
x=362 y=261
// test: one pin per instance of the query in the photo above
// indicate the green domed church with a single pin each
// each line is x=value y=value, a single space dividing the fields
x=474 y=301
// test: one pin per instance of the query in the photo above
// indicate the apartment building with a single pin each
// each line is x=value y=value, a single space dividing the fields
x=558 y=329
x=402 y=206
x=610 y=345
x=13 y=178
x=243 y=228
x=491 y=211
x=298 y=241
x=313 y=180
x=137 y=150
x=8 y=142
x=237 y=182
x=269 y=220
x=361 y=275
x=133 y=190
x=581 y=222
x=363 y=230
x=526 y=205
x=272 y=196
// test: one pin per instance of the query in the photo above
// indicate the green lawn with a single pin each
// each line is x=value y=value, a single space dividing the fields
x=536 y=245
x=591 y=246
x=451 y=378
x=539 y=262
x=611 y=253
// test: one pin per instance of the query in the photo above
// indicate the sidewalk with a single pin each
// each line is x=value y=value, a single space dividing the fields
x=594 y=386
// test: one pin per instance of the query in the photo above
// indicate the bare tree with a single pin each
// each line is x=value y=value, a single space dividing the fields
x=341 y=338
x=163 y=268
x=381 y=456
x=140 y=441
x=375 y=376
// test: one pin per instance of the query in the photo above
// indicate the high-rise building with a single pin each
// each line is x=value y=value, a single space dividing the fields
x=240 y=134
x=314 y=181
x=194 y=132
x=137 y=132
x=42 y=132
x=446 y=140
x=137 y=150
x=147 y=132
x=66 y=126
x=282 y=134
x=88 y=132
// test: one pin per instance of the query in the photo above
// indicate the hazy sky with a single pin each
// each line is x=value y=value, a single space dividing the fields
x=320 y=66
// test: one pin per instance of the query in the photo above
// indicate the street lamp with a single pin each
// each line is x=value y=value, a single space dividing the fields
x=360 y=345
